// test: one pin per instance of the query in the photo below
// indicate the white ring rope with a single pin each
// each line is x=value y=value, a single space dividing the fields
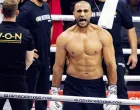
x=126 y=77
x=69 y=98
x=125 y=51
x=71 y=18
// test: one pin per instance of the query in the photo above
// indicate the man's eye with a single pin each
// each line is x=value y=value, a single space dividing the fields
x=79 y=11
x=85 y=11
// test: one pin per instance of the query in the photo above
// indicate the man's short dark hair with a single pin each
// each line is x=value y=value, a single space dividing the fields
x=9 y=8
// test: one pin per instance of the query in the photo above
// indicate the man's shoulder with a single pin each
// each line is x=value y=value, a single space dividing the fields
x=16 y=28
x=28 y=6
x=23 y=29
x=120 y=2
x=65 y=35
x=104 y=35
x=96 y=27
x=121 y=5
x=62 y=39
x=46 y=5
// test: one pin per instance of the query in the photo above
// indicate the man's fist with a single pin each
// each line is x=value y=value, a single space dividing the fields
x=112 y=93
x=54 y=105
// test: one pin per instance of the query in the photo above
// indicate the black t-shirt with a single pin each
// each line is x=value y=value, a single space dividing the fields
x=38 y=21
x=134 y=13
x=14 y=42
x=136 y=24
x=123 y=18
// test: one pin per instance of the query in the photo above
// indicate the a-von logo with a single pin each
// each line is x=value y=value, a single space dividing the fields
x=10 y=38
x=43 y=17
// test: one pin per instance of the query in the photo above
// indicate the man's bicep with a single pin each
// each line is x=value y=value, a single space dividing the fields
x=108 y=48
x=108 y=54
x=60 y=56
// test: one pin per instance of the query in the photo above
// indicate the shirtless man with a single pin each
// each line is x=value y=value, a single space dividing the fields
x=84 y=45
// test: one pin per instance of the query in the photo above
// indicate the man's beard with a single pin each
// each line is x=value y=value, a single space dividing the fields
x=41 y=1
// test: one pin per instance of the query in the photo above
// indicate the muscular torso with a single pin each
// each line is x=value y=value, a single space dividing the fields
x=84 y=52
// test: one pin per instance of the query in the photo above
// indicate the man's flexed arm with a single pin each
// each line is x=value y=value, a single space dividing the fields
x=60 y=57
x=58 y=68
x=109 y=56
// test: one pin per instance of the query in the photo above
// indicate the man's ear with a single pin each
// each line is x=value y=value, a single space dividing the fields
x=73 y=13
x=1 y=11
x=17 y=12
x=91 y=13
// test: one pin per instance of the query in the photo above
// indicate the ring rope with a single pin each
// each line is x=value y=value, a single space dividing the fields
x=125 y=51
x=69 y=98
x=126 y=77
x=71 y=18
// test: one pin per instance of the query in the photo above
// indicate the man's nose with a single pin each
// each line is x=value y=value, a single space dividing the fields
x=82 y=13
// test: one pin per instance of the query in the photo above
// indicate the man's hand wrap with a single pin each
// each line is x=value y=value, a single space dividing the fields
x=54 y=105
x=112 y=93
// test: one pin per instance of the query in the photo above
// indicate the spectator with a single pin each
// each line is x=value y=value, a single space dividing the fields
x=134 y=6
x=16 y=45
x=35 y=16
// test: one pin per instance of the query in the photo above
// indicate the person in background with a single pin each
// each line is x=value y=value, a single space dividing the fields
x=16 y=56
x=35 y=16
x=122 y=17
x=134 y=6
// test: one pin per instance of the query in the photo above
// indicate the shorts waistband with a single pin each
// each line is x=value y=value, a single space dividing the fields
x=78 y=80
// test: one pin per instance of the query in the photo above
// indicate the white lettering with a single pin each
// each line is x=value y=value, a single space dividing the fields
x=43 y=17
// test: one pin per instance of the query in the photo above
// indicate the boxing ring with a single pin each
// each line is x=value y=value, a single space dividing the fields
x=134 y=97
x=71 y=18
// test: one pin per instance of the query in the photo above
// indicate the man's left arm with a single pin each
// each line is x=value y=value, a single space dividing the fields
x=132 y=38
x=109 y=58
x=127 y=23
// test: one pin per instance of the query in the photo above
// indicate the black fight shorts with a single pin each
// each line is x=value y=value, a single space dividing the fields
x=86 y=88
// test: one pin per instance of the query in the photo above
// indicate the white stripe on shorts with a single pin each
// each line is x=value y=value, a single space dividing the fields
x=121 y=64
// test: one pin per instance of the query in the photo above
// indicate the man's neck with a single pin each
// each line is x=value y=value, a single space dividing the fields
x=37 y=3
x=83 y=30
x=10 y=19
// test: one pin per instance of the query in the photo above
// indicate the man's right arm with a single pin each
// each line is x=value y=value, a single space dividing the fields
x=60 y=58
x=30 y=51
x=29 y=58
x=58 y=68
